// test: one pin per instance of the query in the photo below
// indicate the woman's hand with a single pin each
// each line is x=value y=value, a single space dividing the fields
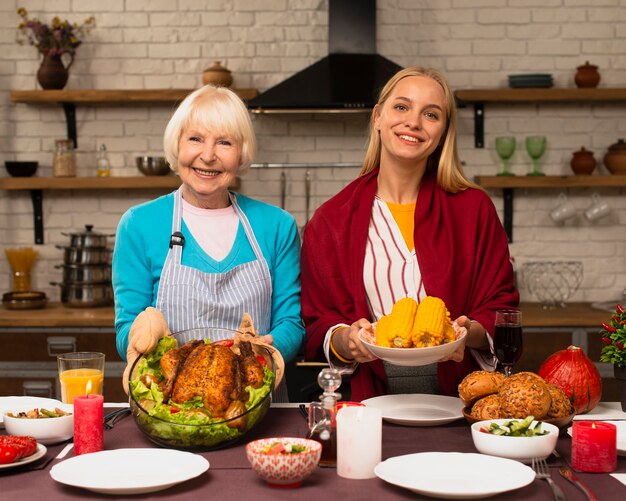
x=476 y=334
x=347 y=343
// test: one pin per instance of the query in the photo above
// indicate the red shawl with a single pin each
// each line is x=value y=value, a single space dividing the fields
x=462 y=253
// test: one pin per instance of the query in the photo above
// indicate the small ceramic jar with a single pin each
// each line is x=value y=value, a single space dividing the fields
x=583 y=162
x=615 y=158
x=216 y=74
x=587 y=75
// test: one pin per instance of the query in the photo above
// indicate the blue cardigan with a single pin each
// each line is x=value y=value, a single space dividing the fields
x=142 y=243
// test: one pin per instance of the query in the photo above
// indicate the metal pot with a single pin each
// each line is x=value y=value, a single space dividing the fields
x=85 y=255
x=87 y=238
x=85 y=274
x=85 y=295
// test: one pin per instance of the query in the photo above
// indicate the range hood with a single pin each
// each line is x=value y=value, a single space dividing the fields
x=347 y=80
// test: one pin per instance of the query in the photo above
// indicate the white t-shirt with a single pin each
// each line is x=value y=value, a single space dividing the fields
x=215 y=230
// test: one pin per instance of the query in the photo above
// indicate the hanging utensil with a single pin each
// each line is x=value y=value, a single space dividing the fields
x=283 y=189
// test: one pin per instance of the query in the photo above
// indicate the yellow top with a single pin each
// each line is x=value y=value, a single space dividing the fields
x=405 y=219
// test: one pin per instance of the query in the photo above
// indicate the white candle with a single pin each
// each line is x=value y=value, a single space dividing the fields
x=359 y=441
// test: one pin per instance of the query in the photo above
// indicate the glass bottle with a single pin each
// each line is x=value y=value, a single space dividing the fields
x=104 y=167
x=64 y=160
x=322 y=422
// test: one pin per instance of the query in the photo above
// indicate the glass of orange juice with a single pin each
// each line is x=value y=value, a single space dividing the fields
x=80 y=373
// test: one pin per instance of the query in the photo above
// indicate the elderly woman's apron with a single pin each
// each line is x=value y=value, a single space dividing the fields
x=191 y=299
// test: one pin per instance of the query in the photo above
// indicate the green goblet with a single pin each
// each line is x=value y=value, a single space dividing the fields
x=505 y=147
x=536 y=147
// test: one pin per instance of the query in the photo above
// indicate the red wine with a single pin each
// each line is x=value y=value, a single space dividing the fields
x=507 y=343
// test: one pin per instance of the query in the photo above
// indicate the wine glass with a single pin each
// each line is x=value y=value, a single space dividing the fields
x=505 y=147
x=507 y=338
x=536 y=147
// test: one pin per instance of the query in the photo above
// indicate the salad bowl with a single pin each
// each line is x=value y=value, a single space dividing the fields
x=189 y=425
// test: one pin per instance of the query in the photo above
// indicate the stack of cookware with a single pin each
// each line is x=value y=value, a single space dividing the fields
x=86 y=270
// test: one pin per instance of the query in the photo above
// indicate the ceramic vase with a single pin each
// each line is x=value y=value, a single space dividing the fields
x=52 y=73
x=620 y=377
x=583 y=162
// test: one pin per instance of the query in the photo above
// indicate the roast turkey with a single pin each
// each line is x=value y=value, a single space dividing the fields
x=211 y=371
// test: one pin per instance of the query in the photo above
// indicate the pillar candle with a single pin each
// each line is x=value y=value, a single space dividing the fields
x=594 y=446
x=359 y=441
x=88 y=423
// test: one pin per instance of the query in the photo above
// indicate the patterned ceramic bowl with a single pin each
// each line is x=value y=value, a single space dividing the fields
x=284 y=469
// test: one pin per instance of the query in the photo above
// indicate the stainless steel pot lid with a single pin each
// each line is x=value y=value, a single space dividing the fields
x=88 y=232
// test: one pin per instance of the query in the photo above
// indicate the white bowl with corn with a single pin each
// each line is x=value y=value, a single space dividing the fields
x=414 y=334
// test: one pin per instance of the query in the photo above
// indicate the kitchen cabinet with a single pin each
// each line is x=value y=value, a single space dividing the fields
x=478 y=98
x=32 y=339
x=510 y=183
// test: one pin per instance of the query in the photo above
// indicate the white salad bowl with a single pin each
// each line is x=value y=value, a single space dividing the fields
x=519 y=448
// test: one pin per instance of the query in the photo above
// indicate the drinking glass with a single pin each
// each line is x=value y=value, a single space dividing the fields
x=507 y=338
x=536 y=147
x=505 y=147
x=80 y=373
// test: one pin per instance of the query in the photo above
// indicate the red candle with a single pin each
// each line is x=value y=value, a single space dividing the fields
x=594 y=446
x=88 y=423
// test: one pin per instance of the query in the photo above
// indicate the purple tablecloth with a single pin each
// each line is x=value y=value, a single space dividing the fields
x=230 y=475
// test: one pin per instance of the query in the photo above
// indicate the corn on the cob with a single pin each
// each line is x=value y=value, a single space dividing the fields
x=382 y=329
x=403 y=317
x=432 y=322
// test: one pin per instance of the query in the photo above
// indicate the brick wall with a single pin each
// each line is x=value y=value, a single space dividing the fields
x=167 y=43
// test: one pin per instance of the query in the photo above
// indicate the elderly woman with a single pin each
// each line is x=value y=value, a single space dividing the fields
x=205 y=255
x=412 y=226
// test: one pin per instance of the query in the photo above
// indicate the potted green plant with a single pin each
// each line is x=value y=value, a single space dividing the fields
x=52 y=42
x=614 y=350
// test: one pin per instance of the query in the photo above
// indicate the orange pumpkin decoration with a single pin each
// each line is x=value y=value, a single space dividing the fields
x=573 y=372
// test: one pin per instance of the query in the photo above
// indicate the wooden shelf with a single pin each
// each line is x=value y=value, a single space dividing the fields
x=92 y=96
x=508 y=183
x=36 y=186
x=70 y=98
x=538 y=95
x=551 y=182
x=478 y=98
x=89 y=183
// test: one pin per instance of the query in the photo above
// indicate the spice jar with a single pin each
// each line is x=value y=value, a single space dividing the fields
x=64 y=160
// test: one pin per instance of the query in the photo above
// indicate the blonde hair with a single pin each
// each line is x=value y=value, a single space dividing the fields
x=217 y=109
x=445 y=159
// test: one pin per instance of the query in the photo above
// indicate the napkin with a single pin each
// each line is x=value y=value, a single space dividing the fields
x=604 y=411
x=619 y=476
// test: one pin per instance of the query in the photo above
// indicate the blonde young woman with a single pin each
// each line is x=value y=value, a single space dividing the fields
x=410 y=225
x=205 y=255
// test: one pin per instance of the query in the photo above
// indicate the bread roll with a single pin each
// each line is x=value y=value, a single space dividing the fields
x=487 y=408
x=524 y=394
x=560 y=405
x=479 y=384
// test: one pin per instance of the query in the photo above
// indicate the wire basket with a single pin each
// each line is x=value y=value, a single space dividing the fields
x=552 y=282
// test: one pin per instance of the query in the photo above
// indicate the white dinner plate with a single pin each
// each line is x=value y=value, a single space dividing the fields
x=39 y=453
x=129 y=471
x=621 y=435
x=413 y=357
x=454 y=475
x=12 y=404
x=417 y=409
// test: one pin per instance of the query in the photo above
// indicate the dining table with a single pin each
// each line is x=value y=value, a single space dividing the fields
x=230 y=475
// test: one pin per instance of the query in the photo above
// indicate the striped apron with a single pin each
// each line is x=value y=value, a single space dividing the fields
x=193 y=300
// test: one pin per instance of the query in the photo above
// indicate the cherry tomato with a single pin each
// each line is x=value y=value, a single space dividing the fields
x=174 y=410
